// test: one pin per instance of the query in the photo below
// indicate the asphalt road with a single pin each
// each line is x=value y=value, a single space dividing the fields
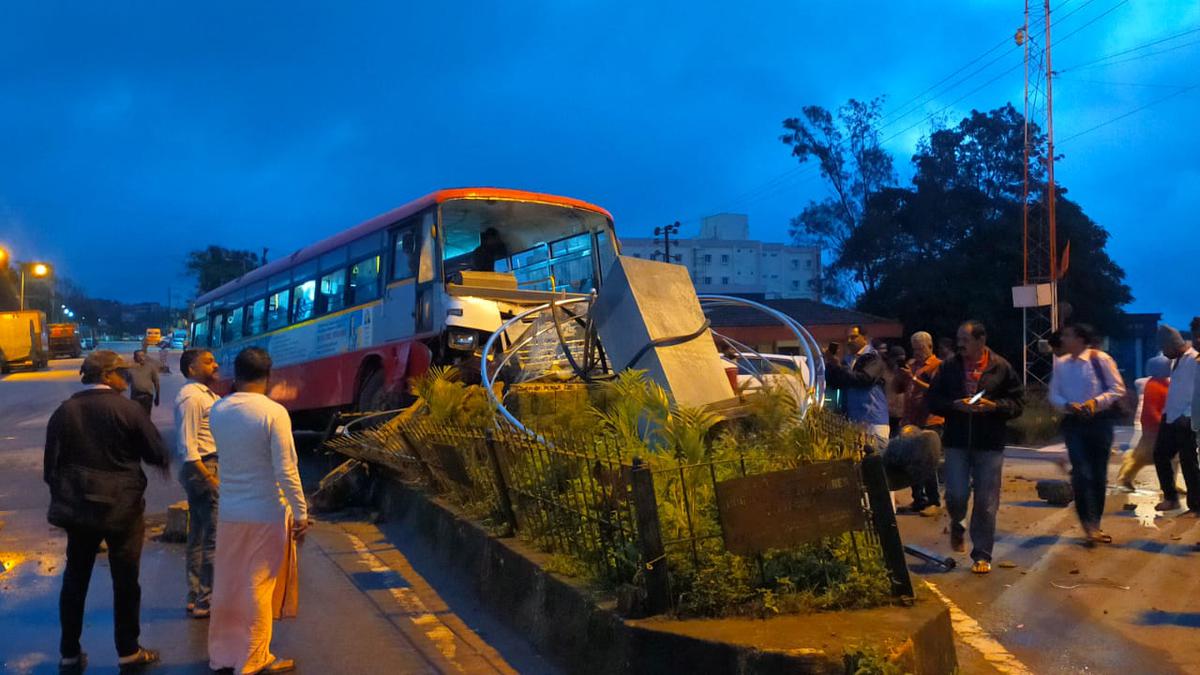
x=365 y=607
x=1061 y=608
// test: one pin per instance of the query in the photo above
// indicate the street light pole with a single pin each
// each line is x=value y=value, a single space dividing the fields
x=39 y=270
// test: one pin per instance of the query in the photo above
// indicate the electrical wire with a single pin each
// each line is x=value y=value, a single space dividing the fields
x=1136 y=58
x=1131 y=112
x=1133 y=49
x=774 y=185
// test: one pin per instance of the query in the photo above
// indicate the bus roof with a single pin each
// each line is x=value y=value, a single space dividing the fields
x=386 y=219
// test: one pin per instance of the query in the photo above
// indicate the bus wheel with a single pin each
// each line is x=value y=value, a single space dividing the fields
x=373 y=396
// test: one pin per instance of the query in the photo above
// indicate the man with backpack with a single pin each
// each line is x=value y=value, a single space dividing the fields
x=1087 y=389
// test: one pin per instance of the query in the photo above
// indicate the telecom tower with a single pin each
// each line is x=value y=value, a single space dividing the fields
x=1038 y=296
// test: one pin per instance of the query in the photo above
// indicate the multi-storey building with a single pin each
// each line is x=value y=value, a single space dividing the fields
x=723 y=259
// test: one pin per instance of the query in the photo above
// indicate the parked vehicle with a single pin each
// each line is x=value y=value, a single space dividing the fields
x=771 y=370
x=64 y=341
x=23 y=340
x=179 y=338
x=87 y=337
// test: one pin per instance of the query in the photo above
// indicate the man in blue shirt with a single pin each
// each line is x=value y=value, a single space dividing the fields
x=860 y=375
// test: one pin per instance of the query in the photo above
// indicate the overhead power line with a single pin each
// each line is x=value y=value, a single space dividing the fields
x=1140 y=47
x=1131 y=112
x=787 y=179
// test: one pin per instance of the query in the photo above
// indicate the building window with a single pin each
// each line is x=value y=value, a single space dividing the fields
x=795 y=284
x=707 y=257
x=795 y=264
x=724 y=258
x=808 y=263
x=707 y=280
x=725 y=281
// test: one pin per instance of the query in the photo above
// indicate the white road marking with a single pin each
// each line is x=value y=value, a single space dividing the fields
x=438 y=633
x=974 y=635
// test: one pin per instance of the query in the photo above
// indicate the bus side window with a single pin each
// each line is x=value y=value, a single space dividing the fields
x=332 y=290
x=218 y=320
x=404 y=254
x=256 y=313
x=277 y=309
x=200 y=333
x=364 y=280
x=233 y=326
x=304 y=301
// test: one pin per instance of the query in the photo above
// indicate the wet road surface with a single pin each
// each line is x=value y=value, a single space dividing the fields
x=1130 y=607
x=364 y=607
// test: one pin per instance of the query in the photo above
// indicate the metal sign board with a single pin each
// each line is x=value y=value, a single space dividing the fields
x=1032 y=295
x=784 y=509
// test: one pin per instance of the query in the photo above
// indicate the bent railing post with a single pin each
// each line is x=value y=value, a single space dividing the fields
x=506 y=505
x=654 y=559
x=884 y=520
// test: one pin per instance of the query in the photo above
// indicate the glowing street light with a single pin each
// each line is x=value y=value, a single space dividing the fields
x=38 y=270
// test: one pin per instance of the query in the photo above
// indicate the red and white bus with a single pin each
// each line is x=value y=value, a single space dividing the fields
x=349 y=319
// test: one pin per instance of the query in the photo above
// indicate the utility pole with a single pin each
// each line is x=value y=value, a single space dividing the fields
x=1038 y=295
x=666 y=231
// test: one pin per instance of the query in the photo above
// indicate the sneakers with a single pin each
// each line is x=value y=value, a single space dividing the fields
x=931 y=511
x=1167 y=505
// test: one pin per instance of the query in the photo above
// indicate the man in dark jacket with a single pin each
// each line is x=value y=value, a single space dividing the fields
x=977 y=391
x=860 y=376
x=95 y=444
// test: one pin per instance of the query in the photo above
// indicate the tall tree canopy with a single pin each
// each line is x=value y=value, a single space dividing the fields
x=849 y=157
x=214 y=266
x=949 y=247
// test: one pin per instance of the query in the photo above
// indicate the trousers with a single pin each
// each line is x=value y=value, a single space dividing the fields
x=1089 y=444
x=124 y=561
x=978 y=471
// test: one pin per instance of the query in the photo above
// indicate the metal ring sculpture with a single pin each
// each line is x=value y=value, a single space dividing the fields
x=813 y=382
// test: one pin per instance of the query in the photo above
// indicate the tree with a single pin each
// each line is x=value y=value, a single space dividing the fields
x=216 y=265
x=849 y=157
x=949 y=248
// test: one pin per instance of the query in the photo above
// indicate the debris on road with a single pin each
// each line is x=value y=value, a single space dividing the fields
x=1055 y=491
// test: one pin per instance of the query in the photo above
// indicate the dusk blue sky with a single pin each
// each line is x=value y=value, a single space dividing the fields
x=132 y=132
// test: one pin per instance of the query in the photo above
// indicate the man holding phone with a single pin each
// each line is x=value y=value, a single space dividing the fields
x=977 y=391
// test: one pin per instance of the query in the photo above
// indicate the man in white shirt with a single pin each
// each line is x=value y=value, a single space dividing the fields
x=263 y=514
x=1085 y=387
x=1176 y=437
x=196 y=453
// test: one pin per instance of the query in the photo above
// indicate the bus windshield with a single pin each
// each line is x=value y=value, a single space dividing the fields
x=544 y=246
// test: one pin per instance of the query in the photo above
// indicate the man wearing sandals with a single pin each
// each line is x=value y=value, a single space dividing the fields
x=263 y=515
x=977 y=392
x=96 y=442
x=1086 y=387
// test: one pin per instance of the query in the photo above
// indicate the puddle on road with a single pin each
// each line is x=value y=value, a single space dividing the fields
x=1144 y=500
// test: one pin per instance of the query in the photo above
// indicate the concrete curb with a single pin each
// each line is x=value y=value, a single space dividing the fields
x=582 y=632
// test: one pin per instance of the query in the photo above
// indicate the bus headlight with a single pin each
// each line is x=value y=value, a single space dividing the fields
x=462 y=339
